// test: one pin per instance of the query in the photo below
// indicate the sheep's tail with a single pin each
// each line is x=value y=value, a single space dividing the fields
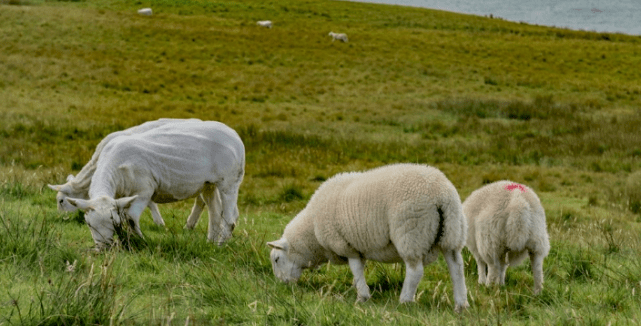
x=452 y=226
x=519 y=223
x=441 y=222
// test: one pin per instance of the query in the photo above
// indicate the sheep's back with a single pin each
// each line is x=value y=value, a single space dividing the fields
x=368 y=212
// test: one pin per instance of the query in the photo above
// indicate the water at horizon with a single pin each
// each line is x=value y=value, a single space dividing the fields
x=612 y=16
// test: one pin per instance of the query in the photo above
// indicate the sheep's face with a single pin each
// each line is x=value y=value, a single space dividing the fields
x=63 y=204
x=65 y=191
x=283 y=263
x=102 y=225
x=103 y=217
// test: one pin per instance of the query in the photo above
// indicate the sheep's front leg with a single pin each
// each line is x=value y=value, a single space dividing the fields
x=357 y=266
x=199 y=206
x=155 y=213
x=454 y=262
x=413 y=275
x=537 y=271
x=134 y=212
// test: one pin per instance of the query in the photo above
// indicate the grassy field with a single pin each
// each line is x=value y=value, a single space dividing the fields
x=481 y=99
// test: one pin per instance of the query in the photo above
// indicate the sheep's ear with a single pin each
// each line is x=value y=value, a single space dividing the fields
x=81 y=204
x=65 y=188
x=55 y=187
x=70 y=177
x=278 y=244
x=125 y=202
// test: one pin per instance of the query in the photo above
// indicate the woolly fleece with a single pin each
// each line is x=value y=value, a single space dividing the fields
x=506 y=223
x=401 y=212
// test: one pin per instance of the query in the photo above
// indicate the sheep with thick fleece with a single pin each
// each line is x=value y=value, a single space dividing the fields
x=506 y=223
x=338 y=36
x=78 y=186
x=396 y=213
x=166 y=164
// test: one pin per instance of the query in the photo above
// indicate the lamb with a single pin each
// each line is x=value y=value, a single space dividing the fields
x=78 y=187
x=338 y=36
x=166 y=164
x=395 y=213
x=264 y=23
x=506 y=223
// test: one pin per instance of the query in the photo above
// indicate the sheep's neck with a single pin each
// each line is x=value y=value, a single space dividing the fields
x=105 y=181
x=302 y=238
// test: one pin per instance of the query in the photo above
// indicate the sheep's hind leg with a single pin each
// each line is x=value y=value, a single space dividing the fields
x=413 y=275
x=536 y=261
x=493 y=270
x=502 y=269
x=228 y=199
x=199 y=206
x=211 y=195
x=357 y=266
x=454 y=262
x=482 y=269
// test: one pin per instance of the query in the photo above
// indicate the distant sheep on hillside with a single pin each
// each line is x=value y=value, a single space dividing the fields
x=506 y=224
x=145 y=11
x=338 y=36
x=264 y=23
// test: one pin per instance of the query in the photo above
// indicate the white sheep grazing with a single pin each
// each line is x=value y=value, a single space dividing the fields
x=338 y=36
x=166 y=164
x=264 y=23
x=396 y=213
x=506 y=224
x=145 y=11
x=78 y=187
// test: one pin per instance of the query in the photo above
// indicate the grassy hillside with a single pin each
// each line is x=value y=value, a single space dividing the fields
x=482 y=99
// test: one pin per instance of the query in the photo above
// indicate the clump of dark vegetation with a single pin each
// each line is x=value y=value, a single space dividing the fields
x=542 y=107
x=291 y=192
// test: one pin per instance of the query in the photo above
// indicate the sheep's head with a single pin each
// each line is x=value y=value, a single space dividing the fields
x=284 y=263
x=65 y=191
x=104 y=216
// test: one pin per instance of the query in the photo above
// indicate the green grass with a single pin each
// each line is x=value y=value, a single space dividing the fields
x=481 y=99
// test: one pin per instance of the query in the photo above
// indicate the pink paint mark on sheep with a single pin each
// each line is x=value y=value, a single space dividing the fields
x=513 y=186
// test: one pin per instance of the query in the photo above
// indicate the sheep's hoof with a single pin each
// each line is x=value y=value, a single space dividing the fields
x=361 y=299
x=410 y=300
x=460 y=307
